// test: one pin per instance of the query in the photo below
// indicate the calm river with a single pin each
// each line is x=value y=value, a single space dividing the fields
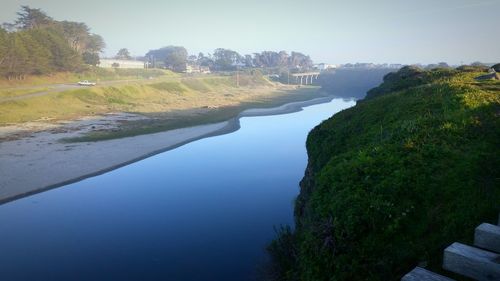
x=201 y=212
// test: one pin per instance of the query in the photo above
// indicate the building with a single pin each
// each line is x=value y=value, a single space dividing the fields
x=325 y=66
x=195 y=68
x=115 y=63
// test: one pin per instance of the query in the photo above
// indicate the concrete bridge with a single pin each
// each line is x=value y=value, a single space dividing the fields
x=305 y=78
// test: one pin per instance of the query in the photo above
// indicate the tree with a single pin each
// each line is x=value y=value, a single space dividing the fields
x=248 y=61
x=283 y=58
x=299 y=60
x=40 y=57
x=76 y=33
x=16 y=64
x=268 y=59
x=205 y=60
x=174 y=57
x=91 y=58
x=123 y=54
x=226 y=59
x=36 y=44
x=29 y=18
x=95 y=43
x=4 y=50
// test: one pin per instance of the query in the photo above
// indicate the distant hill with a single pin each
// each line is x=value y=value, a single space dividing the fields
x=395 y=179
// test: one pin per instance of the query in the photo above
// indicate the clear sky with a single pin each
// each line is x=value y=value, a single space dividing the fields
x=393 y=31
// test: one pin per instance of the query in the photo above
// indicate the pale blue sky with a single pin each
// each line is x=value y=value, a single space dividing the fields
x=393 y=31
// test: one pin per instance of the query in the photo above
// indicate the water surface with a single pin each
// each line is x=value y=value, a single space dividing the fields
x=203 y=211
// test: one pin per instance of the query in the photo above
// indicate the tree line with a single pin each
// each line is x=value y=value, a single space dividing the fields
x=176 y=58
x=37 y=44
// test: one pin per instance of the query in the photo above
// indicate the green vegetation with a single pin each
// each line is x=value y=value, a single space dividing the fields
x=92 y=74
x=8 y=93
x=171 y=57
x=394 y=180
x=205 y=115
x=123 y=54
x=171 y=101
x=37 y=44
x=176 y=58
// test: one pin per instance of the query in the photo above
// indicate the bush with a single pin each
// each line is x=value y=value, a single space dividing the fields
x=394 y=180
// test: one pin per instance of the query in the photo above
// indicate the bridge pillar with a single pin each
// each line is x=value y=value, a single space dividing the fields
x=301 y=77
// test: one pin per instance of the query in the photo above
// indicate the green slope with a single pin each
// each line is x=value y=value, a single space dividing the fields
x=394 y=180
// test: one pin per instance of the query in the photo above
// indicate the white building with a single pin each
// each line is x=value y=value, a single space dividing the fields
x=325 y=66
x=114 y=63
x=194 y=68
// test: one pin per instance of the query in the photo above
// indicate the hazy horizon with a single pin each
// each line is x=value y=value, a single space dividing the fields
x=454 y=31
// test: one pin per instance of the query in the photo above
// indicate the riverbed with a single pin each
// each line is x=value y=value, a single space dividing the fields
x=202 y=211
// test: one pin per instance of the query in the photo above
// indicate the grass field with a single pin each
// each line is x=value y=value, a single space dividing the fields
x=171 y=101
x=93 y=74
x=7 y=93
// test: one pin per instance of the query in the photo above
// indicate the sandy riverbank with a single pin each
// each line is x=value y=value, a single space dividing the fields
x=40 y=161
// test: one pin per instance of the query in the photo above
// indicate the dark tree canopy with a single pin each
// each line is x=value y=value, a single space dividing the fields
x=37 y=44
x=91 y=58
x=225 y=59
x=29 y=18
x=173 y=57
x=123 y=54
x=281 y=59
x=94 y=43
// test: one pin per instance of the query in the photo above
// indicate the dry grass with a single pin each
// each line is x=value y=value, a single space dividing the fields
x=173 y=102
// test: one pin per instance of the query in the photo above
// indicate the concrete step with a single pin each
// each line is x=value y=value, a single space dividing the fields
x=420 y=274
x=472 y=262
x=487 y=236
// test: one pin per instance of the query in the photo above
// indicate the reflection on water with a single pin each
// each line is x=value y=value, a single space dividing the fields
x=203 y=211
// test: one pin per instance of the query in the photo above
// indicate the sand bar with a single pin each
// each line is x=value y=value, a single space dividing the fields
x=40 y=161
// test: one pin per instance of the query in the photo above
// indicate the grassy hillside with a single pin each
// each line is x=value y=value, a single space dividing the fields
x=394 y=180
x=172 y=101
x=92 y=74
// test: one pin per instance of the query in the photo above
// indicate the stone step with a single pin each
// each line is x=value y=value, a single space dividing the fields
x=420 y=274
x=472 y=262
x=487 y=236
